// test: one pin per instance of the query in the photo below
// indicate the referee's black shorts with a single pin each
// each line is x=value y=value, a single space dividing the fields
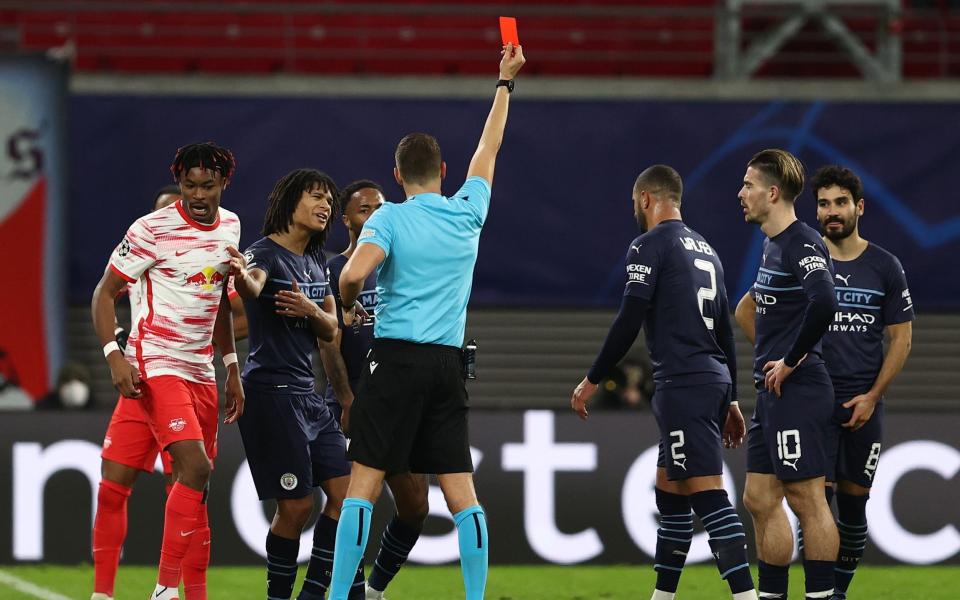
x=411 y=410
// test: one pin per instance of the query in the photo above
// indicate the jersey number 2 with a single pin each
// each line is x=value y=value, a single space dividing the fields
x=706 y=293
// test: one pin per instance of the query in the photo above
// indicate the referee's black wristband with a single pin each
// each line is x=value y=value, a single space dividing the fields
x=507 y=83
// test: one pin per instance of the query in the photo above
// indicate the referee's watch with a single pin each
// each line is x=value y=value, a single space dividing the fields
x=507 y=83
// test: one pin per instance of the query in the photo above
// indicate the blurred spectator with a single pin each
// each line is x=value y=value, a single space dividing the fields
x=72 y=391
x=630 y=385
x=11 y=396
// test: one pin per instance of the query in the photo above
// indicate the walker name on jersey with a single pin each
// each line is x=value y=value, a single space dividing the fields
x=207 y=279
x=813 y=263
x=638 y=273
x=696 y=246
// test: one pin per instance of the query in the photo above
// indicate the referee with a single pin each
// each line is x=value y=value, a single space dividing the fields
x=411 y=410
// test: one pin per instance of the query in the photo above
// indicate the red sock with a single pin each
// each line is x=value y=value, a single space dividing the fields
x=109 y=531
x=197 y=559
x=179 y=528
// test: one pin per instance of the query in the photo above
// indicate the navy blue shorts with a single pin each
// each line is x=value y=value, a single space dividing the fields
x=292 y=443
x=789 y=435
x=855 y=453
x=691 y=421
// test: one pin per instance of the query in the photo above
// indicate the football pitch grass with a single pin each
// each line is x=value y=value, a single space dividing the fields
x=699 y=582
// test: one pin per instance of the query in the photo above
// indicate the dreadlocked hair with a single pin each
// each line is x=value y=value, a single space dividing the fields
x=205 y=155
x=283 y=201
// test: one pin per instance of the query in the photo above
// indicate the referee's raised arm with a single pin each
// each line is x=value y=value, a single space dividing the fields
x=485 y=158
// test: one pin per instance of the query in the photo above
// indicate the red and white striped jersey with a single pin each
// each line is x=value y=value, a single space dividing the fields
x=180 y=266
x=135 y=293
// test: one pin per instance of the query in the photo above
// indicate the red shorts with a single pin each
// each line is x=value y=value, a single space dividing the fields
x=130 y=440
x=177 y=409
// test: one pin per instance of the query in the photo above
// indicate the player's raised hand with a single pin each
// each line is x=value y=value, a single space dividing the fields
x=581 y=395
x=734 y=429
x=863 y=407
x=233 y=407
x=294 y=303
x=512 y=61
x=125 y=377
x=237 y=262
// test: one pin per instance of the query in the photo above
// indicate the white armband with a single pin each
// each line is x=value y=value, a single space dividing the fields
x=734 y=403
x=109 y=347
x=230 y=359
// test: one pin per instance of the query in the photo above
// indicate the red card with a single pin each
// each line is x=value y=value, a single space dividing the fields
x=508 y=31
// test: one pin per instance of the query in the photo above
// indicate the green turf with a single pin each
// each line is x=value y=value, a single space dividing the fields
x=508 y=583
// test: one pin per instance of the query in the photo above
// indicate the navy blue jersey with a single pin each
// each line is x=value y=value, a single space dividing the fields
x=354 y=342
x=678 y=274
x=281 y=348
x=793 y=261
x=872 y=293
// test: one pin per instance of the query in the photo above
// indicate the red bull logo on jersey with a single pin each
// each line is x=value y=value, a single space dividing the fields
x=207 y=279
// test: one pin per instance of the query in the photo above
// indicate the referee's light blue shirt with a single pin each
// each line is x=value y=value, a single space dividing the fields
x=431 y=244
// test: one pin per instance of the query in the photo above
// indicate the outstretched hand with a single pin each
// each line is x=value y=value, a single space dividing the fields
x=581 y=395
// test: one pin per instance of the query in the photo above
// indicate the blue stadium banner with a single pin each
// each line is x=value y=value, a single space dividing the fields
x=32 y=242
x=561 y=217
x=556 y=490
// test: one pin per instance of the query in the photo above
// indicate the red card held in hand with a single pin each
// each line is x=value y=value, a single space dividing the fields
x=508 y=31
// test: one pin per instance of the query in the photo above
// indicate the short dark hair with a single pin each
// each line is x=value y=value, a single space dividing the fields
x=205 y=155
x=283 y=200
x=347 y=192
x=167 y=189
x=660 y=180
x=418 y=158
x=783 y=168
x=829 y=175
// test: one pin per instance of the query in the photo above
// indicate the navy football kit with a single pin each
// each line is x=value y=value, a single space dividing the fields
x=794 y=294
x=872 y=294
x=291 y=439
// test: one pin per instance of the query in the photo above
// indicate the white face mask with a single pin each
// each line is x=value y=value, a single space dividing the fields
x=74 y=394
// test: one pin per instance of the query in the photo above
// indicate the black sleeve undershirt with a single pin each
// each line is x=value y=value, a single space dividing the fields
x=820 y=311
x=623 y=332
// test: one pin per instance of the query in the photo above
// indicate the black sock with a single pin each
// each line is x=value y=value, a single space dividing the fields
x=818 y=575
x=281 y=565
x=673 y=539
x=727 y=537
x=773 y=580
x=320 y=568
x=395 y=544
x=852 y=525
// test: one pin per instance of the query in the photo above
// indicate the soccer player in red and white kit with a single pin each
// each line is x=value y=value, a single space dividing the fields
x=180 y=254
x=130 y=447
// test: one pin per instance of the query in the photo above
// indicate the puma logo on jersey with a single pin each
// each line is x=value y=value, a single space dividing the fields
x=636 y=248
x=682 y=464
x=868 y=473
x=811 y=246
x=792 y=465
x=373 y=366
x=845 y=280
